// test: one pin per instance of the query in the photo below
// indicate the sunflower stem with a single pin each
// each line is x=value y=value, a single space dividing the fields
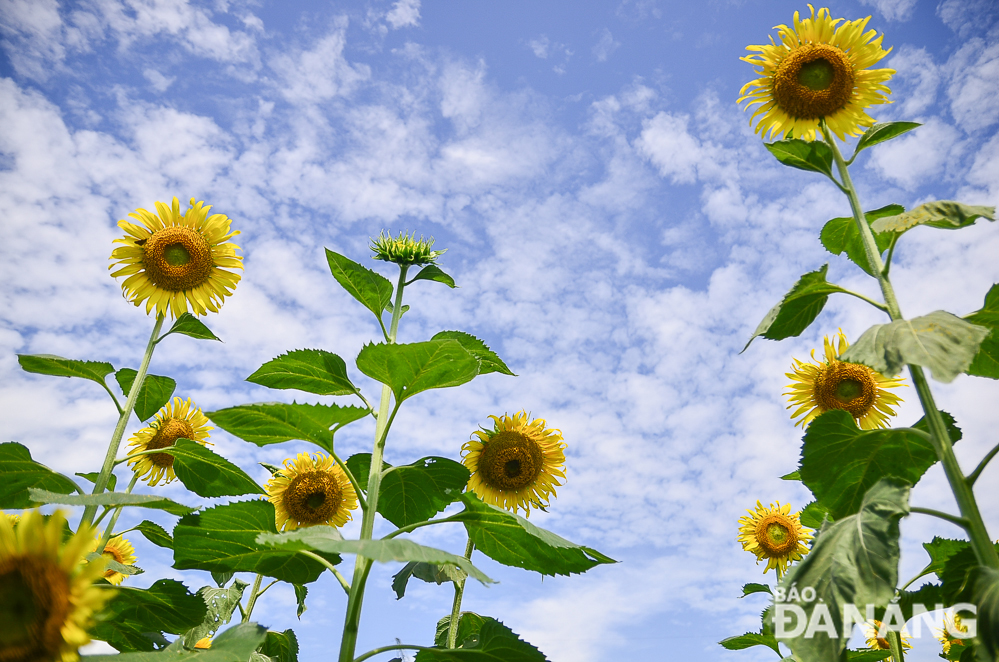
x=891 y=253
x=114 y=518
x=119 y=431
x=254 y=594
x=417 y=525
x=459 y=592
x=953 y=519
x=880 y=306
x=895 y=643
x=353 y=481
x=329 y=566
x=393 y=647
x=973 y=476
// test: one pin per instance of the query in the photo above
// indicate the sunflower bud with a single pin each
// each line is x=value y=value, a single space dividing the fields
x=405 y=250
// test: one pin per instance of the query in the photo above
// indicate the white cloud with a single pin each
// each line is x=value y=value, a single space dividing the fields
x=321 y=72
x=914 y=87
x=605 y=46
x=913 y=159
x=666 y=142
x=893 y=10
x=967 y=17
x=974 y=85
x=539 y=46
x=158 y=81
x=404 y=13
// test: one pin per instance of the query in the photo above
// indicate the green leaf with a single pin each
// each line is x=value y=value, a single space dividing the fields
x=300 y=594
x=940 y=550
x=50 y=364
x=237 y=644
x=853 y=561
x=512 y=540
x=418 y=491
x=749 y=640
x=360 y=465
x=880 y=132
x=155 y=391
x=986 y=597
x=813 y=514
x=327 y=539
x=221 y=603
x=412 y=368
x=21 y=473
x=431 y=573
x=799 y=307
x=469 y=626
x=373 y=290
x=495 y=643
x=791 y=476
x=311 y=370
x=433 y=272
x=224 y=538
x=986 y=361
x=208 y=474
x=115 y=566
x=944 y=214
x=273 y=468
x=189 y=325
x=281 y=646
x=749 y=589
x=166 y=606
x=928 y=595
x=867 y=655
x=222 y=578
x=942 y=342
x=815 y=156
x=92 y=477
x=842 y=235
x=273 y=423
x=111 y=499
x=155 y=534
x=488 y=360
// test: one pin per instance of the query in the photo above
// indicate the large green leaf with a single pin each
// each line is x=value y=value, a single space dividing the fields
x=224 y=538
x=469 y=626
x=853 y=561
x=412 y=368
x=189 y=325
x=879 y=132
x=512 y=540
x=799 y=307
x=749 y=640
x=112 y=499
x=373 y=290
x=360 y=465
x=311 y=370
x=813 y=155
x=21 y=473
x=418 y=491
x=842 y=235
x=154 y=393
x=281 y=646
x=273 y=423
x=166 y=606
x=221 y=603
x=155 y=534
x=431 y=573
x=488 y=360
x=986 y=597
x=207 y=473
x=942 y=342
x=92 y=476
x=433 y=272
x=986 y=361
x=957 y=578
x=495 y=643
x=236 y=644
x=327 y=539
x=944 y=214
x=940 y=550
x=50 y=364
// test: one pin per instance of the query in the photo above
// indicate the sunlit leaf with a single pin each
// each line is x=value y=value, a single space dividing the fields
x=986 y=361
x=488 y=360
x=155 y=392
x=189 y=325
x=944 y=214
x=311 y=370
x=57 y=366
x=92 y=477
x=273 y=423
x=221 y=603
x=155 y=534
x=236 y=644
x=799 y=307
x=409 y=369
x=879 y=132
x=21 y=473
x=281 y=646
x=841 y=235
x=433 y=272
x=432 y=573
x=418 y=491
x=749 y=640
x=494 y=642
x=112 y=499
x=166 y=606
x=373 y=290
x=813 y=155
x=208 y=474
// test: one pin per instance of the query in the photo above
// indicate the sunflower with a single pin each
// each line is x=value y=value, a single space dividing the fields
x=852 y=387
x=203 y=643
x=951 y=625
x=12 y=518
x=117 y=549
x=874 y=642
x=176 y=420
x=517 y=464
x=172 y=260
x=47 y=597
x=310 y=491
x=774 y=534
x=405 y=250
x=818 y=71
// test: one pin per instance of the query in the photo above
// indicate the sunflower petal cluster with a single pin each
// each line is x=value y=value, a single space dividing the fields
x=311 y=490
x=176 y=420
x=775 y=534
x=875 y=642
x=947 y=636
x=117 y=549
x=405 y=250
x=818 y=70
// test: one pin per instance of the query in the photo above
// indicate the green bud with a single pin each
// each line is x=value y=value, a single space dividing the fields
x=405 y=250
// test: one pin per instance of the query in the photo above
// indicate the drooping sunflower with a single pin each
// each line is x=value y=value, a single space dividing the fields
x=951 y=625
x=818 y=71
x=517 y=464
x=176 y=420
x=311 y=490
x=833 y=384
x=171 y=260
x=47 y=596
x=874 y=642
x=774 y=534
x=120 y=550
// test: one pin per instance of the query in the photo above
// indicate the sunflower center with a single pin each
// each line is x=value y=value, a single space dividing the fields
x=510 y=460
x=177 y=258
x=814 y=81
x=846 y=386
x=776 y=534
x=313 y=497
x=167 y=435
x=34 y=603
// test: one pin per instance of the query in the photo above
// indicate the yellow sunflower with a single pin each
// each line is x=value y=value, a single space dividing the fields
x=874 y=642
x=774 y=534
x=311 y=490
x=819 y=70
x=204 y=643
x=833 y=384
x=952 y=624
x=13 y=519
x=176 y=420
x=517 y=464
x=120 y=550
x=171 y=260
x=47 y=596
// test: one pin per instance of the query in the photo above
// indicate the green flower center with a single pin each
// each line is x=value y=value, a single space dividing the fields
x=176 y=255
x=777 y=533
x=817 y=75
x=848 y=389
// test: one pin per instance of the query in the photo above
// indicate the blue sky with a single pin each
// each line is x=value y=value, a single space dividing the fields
x=616 y=229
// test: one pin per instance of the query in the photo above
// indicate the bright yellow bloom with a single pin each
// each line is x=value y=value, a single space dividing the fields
x=171 y=260
x=204 y=643
x=517 y=464
x=819 y=70
x=833 y=384
x=176 y=420
x=310 y=491
x=120 y=550
x=952 y=624
x=47 y=596
x=874 y=642
x=774 y=534
x=13 y=519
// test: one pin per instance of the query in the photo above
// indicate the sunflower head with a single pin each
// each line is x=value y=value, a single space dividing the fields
x=819 y=70
x=117 y=549
x=311 y=490
x=47 y=596
x=176 y=420
x=170 y=260
x=832 y=384
x=405 y=250
x=947 y=636
x=204 y=643
x=775 y=534
x=876 y=642
x=516 y=464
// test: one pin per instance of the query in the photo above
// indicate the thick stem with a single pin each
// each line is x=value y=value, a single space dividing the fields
x=119 y=430
x=956 y=521
x=459 y=592
x=254 y=594
x=895 y=643
x=114 y=518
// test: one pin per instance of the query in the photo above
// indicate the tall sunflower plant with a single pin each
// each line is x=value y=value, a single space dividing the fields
x=63 y=586
x=836 y=561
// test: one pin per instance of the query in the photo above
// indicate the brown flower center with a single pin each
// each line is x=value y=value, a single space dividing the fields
x=34 y=604
x=846 y=386
x=813 y=81
x=167 y=435
x=510 y=460
x=177 y=258
x=113 y=553
x=776 y=534
x=313 y=497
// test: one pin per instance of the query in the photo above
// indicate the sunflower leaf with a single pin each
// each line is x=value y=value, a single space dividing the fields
x=943 y=214
x=433 y=272
x=880 y=132
x=813 y=514
x=749 y=640
x=411 y=368
x=432 y=573
x=224 y=538
x=370 y=288
x=311 y=370
x=418 y=491
x=21 y=473
x=493 y=642
x=113 y=499
x=360 y=465
x=154 y=393
x=815 y=156
x=221 y=603
x=166 y=606
x=276 y=422
x=511 y=540
x=301 y=592
x=469 y=626
x=280 y=646
x=853 y=561
x=986 y=597
x=92 y=477
x=942 y=342
x=751 y=588
x=798 y=309
x=842 y=235
x=208 y=474
x=488 y=360
x=50 y=364
x=189 y=325
x=115 y=566
x=867 y=655
x=986 y=361
x=155 y=534
x=237 y=644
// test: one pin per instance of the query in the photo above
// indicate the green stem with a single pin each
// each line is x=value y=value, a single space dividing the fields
x=895 y=643
x=114 y=518
x=329 y=566
x=119 y=431
x=417 y=525
x=393 y=647
x=459 y=592
x=958 y=521
x=973 y=476
x=353 y=481
x=254 y=594
x=880 y=306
